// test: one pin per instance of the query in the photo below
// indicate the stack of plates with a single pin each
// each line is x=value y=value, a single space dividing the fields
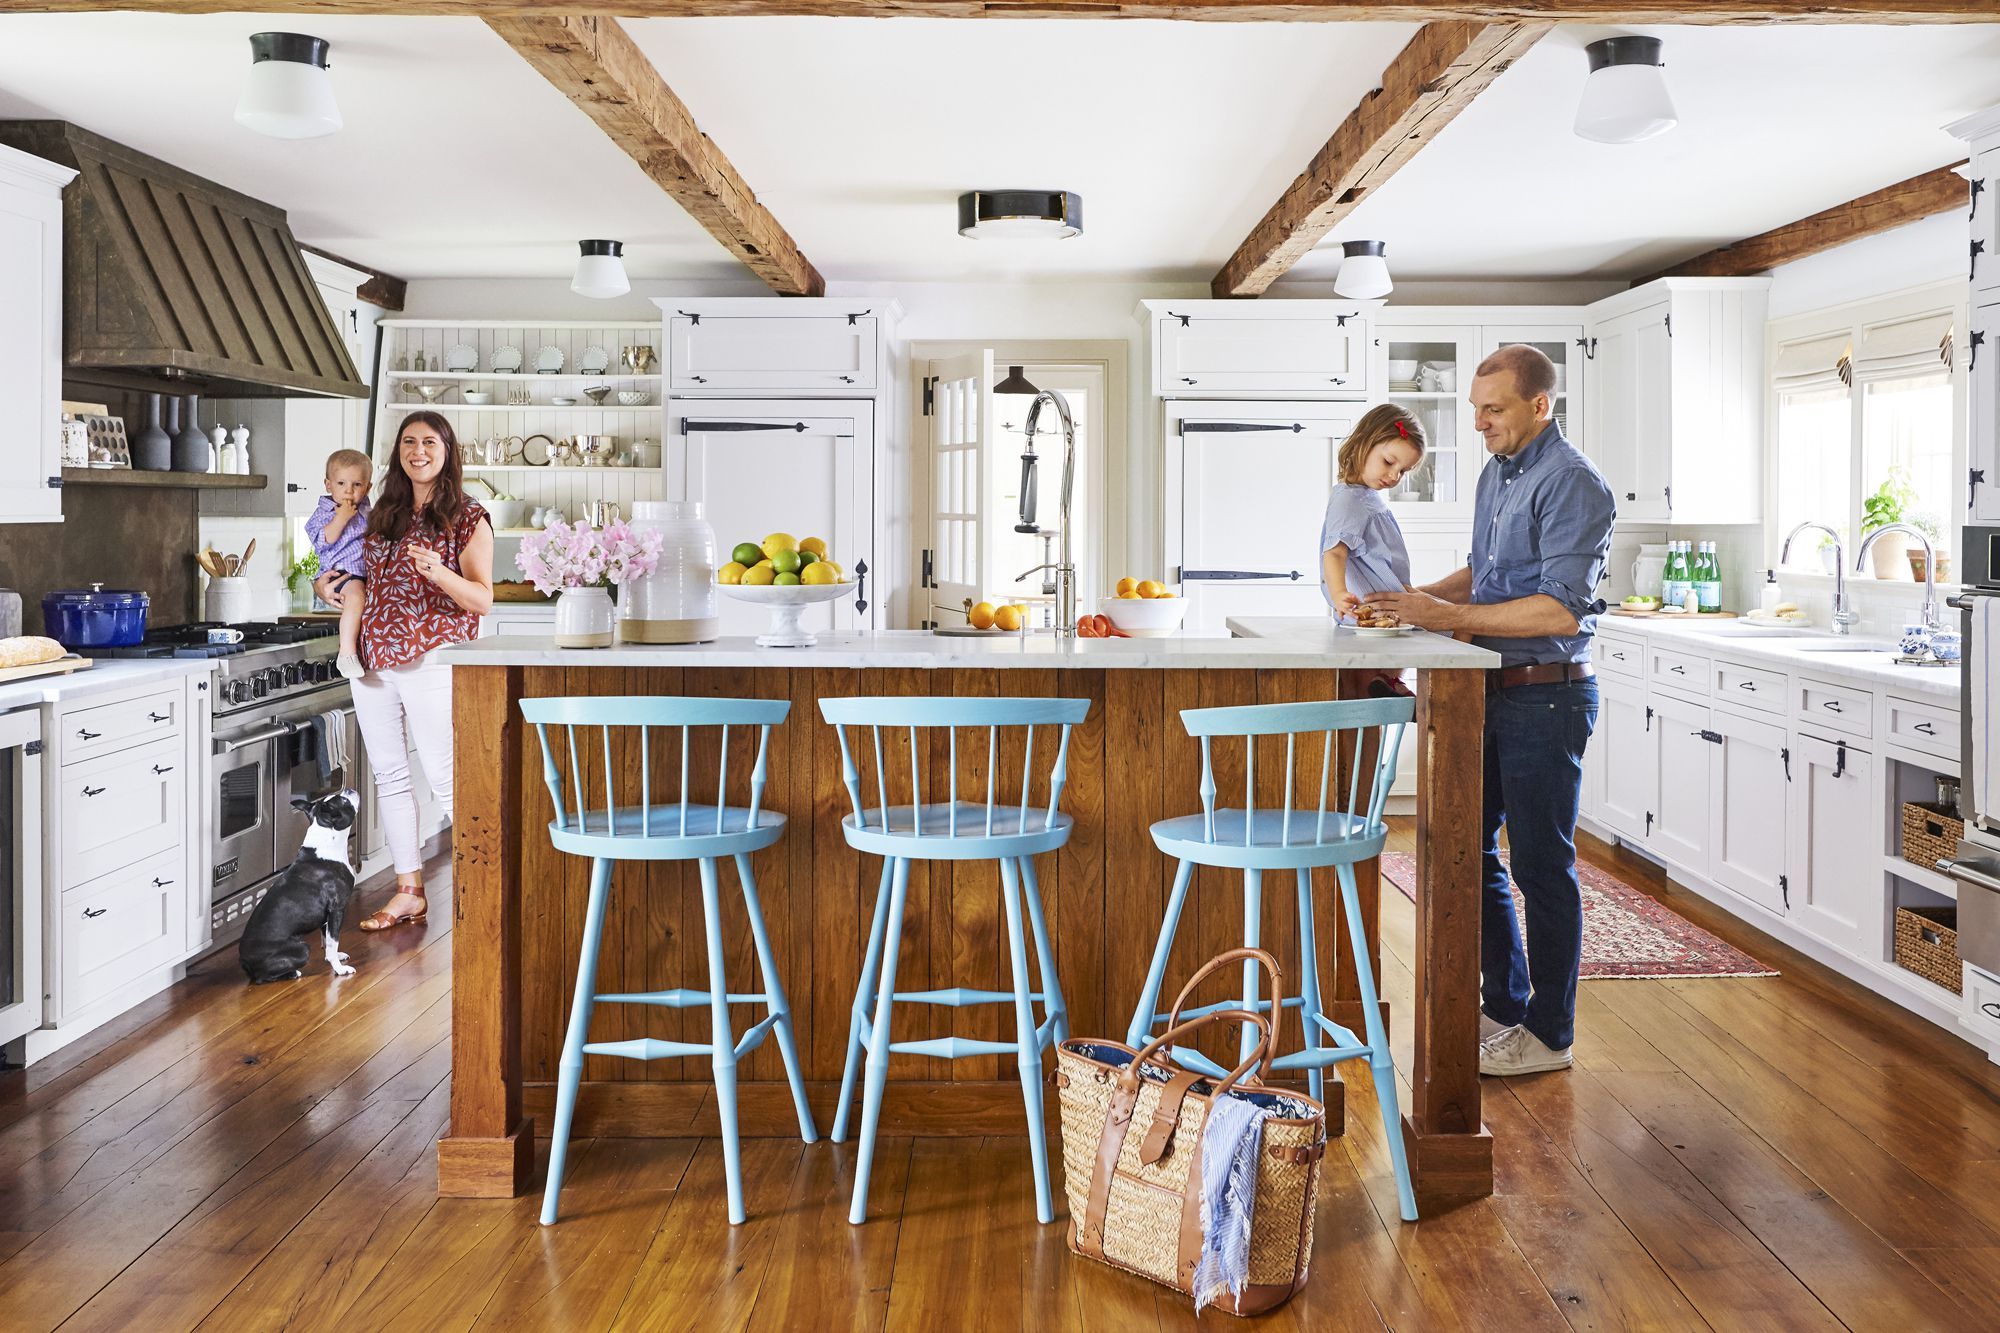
x=1403 y=386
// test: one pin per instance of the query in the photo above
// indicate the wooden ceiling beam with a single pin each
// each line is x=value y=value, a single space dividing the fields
x=1681 y=12
x=595 y=63
x=1444 y=67
x=381 y=289
x=1900 y=204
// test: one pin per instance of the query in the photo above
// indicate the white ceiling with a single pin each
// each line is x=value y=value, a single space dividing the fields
x=457 y=160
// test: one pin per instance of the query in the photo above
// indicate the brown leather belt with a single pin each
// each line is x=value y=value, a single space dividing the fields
x=1538 y=673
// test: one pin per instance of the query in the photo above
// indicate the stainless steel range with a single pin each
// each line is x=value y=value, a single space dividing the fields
x=1977 y=865
x=279 y=706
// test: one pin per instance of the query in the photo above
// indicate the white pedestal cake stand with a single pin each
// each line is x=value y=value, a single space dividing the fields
x=787 y=605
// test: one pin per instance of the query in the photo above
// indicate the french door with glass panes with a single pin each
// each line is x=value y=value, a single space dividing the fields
x=961 y=422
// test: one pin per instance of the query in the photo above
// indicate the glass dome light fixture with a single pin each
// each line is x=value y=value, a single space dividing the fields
x=1020 y=215
x=1364 y=273
x=1625 y=98
x=600 y=270
x=288 y=93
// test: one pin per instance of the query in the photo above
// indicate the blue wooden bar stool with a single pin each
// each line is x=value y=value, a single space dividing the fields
x=1254 y=841
x=953 y=830
x=598 y=826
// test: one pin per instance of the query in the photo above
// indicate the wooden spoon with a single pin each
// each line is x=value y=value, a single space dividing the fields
x=244 y=559
x=202 y=558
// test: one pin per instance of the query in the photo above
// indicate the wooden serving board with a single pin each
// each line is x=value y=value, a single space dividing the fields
x=517 y=592
x=62 y=666
x=1671 y=615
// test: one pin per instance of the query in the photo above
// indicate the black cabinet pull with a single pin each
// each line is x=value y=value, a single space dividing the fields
x=1712 y=737
x=89 y=790
x=85 y=734
x=160 y=717
x=1926 y=728
x=167 y=768
x=159 y=883
x=1678 y=670
x=1749 y=685
x=1236 y=427
x=1832 y=705
x=860 y=585
x=90 y=913
x=1990 y=1010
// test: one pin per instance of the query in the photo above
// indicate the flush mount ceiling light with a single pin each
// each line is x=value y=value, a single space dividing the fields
x=1364 y=273
x=1020 y=215
x=288 y=94
x=600 y=271
x=1625 y=96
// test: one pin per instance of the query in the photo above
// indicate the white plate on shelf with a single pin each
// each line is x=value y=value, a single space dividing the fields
x=461 y=358
x=1383 y=632
x=593 y=361
x=549 y=361
x=506 y=360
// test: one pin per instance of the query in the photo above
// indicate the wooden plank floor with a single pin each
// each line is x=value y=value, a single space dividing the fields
x=1783 y=1153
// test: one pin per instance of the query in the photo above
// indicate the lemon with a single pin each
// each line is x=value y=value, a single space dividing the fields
x=786 y=580
x=779 y=541
x=732 y=572
x=1127 y=587
x=817 y=545
x=981 y=616
x=839 y=574
x=816 y=575
x=764 y=564
x=1148 y=589
x=1007 y=618
x=759 y=576
x=786 y=562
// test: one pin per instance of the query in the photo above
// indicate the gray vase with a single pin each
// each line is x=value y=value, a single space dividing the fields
x=190 y=452
x=152 y=448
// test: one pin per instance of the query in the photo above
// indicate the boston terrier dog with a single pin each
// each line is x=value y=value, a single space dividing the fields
x=311 y=894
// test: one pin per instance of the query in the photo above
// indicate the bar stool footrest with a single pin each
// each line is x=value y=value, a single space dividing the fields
x=1262 y=1007
x=679 y=999
x=754 y=1036
x=1320 y=1058
x=648 y=1048
x=1342 y=1036
x=959 y=996
x=953 y=1048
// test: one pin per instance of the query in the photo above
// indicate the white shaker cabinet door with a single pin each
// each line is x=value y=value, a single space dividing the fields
x=1834 y=872
x=1630 y=431
x=1684 y=776
x=804 y=468
x=1625 y=746
x=810 y=353
x=30 y=344
x=1747 y=809
x=1983 y=408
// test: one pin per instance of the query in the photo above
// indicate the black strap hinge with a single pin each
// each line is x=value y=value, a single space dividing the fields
x=55 y=483
x=1975 y=477
x=1978 y=186
x=1670 y=325
x=1839 y=758
x=1978 y=341
x=852 y=320
x=1649 y=717
x=1182 y=318
x=929 y=579
x=692 y=319
x=1978 y=249
x=1786 y=755
x=930 y=393
x=1340 y=321
x=1785 y=890
x=1589 y=348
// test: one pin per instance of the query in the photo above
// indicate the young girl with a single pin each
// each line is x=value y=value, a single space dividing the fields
x=1361 y=545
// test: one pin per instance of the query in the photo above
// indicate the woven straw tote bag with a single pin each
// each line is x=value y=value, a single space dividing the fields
x=1132 y=1125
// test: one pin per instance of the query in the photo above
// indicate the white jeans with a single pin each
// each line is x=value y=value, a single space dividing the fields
x=395 y=707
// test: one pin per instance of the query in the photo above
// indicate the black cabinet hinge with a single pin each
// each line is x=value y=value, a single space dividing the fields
x=1670 y=326
x=1182 y=318
x=1978 y=187
x=1975 y=477
x=293 y=488
x=1588 y=346
x=1786 y=755
x=1649 y=823
x=1972 y=270
x=1840 y=758
x=930 y=393
x=852 y=320
x=1978 y=341
x=692 y=319
x=55 y=483
x=1785 y=890
x=1649 y=717
x=1340 y=321
x=32 y=747
x=1669 y=493
x=929 y=578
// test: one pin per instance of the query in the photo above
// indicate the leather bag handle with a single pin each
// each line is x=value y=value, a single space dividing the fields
x=1216 y=964
x=1261 y=1051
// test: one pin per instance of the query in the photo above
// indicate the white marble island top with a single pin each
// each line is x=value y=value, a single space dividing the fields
x=1301 y=643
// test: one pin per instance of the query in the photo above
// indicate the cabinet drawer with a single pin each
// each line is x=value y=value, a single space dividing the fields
x=1199 y=355
x=120 y=926
x=88 y=732
x=1982 y=1003
x=120 y=809
x=1929 y=727
x=824 y=353
x=1620 y=657
x=1677 y=670
x=1836 y=707
x=1748 y=687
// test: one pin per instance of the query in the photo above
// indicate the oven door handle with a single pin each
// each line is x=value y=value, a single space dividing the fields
x=1984 y=872
x=256 y=738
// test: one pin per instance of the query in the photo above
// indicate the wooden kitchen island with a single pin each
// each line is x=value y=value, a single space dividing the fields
x=518 y=904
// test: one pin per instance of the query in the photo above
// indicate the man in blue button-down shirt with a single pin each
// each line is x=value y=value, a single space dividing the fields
x=1541 y=530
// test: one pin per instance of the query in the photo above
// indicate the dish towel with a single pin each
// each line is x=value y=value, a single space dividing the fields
x=330 y=731
x=1229 y=1144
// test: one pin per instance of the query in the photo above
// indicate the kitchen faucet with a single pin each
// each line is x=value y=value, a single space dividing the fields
x=1064 y=568
x=1929 y=614
x=1842 y=617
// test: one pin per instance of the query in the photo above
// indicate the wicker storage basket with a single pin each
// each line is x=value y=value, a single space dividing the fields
x=1134 y=1196
x=1927 y=944
x=1930 y=833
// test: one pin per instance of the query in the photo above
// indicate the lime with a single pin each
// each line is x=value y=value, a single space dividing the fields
x=807 y=558
x=786 y=580
x=747 y=554
x=786 y=562
x=758 y=576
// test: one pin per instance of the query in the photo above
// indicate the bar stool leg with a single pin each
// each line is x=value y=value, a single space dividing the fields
x=569 y=1073
x=1053 y=1005
x=864 y=998
x=1381 y=1065
x=774 y=991
x=1309 y=1011
x=1028 y=1053
x=878 y=1043
x=1141 y=1026
x=724 y=1053
x=1253 y=936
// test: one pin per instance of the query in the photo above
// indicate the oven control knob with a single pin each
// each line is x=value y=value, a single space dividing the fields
x=274 y=679
x=237 y=691
x=323 y=670
x=294 y=672
x=255 y=681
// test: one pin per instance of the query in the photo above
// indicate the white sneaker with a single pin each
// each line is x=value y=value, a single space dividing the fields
x=1489 y=1028
x=350 y=666
x=1519 y=1051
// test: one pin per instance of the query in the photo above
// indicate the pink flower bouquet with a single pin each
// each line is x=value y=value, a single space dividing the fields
x=561 y=556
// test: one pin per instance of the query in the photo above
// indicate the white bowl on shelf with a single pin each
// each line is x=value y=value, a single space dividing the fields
x=1144 y=617
x=788 y=605
x=1401 y=371
x=506 y=513
x=634 y=398
x=476 y=397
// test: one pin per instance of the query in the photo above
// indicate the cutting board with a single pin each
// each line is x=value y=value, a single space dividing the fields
x=1672 y=615
x=62 y=666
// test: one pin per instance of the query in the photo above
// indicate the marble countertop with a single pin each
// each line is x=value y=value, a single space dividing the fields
x=1805 y=651
x=100 y=677
x=1298 y=643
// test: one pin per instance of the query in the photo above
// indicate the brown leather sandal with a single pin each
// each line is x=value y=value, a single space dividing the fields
x=387 y=920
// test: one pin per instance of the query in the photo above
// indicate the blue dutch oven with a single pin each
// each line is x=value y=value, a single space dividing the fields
x=98 y=618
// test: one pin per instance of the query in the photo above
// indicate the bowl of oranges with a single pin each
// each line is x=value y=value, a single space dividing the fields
x=786 y=575
x=1143 y=608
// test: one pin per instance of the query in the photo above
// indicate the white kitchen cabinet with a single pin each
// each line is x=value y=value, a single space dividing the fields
x=121 y=807
x=1259 y=349
x=1683 y=778
x=116 y=928
x=31 y=346
x=1984 y=171
x=760 y=466
x=1677 y=397
x=1627 y=758
x=1248 y=484
x=777 y=348
x=1982 y=437
x=1747 y=807
x=1834 y=865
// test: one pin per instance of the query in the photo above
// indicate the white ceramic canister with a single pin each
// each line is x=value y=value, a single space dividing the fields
x=229 y=600
x=676 y=603
x=1649 y=569
x=584 y=618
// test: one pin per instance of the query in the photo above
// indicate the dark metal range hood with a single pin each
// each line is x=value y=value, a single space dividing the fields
x=174 y=283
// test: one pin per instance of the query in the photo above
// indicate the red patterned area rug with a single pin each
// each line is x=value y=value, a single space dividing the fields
x=1626 y=934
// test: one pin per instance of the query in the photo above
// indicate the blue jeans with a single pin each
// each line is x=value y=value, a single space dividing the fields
x=1535 y=736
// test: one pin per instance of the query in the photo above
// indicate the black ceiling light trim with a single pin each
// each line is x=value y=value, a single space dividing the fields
x=1626 y=50
x=296 y=47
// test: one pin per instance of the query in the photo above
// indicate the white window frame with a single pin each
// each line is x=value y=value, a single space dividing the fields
x=1853 y=319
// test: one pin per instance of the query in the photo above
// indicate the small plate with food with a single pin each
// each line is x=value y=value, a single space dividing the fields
x=1377 y=623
